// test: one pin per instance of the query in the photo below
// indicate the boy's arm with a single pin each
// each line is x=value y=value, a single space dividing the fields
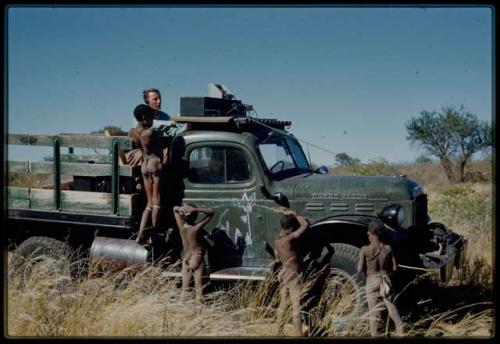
x=178 y=217
x=361 y=262
x=209 y=213
x=303 y=226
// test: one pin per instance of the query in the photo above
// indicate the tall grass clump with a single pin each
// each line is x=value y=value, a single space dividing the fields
x=136 y=301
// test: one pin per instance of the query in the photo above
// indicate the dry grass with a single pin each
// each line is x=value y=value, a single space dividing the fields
x=141 y=302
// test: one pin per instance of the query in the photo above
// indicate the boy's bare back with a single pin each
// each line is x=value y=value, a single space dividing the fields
x=377 y=258
x=191 y=239
x=287 y=251
x=191 y=234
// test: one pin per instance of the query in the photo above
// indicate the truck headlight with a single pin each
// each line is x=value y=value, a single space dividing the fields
x=393 y=215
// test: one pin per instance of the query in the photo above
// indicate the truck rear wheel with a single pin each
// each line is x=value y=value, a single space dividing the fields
x=36 y=250
x=344 y=286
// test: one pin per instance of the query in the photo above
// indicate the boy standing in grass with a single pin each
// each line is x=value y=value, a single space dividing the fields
x=286 y=250
x=193 y=243
x=376 y=261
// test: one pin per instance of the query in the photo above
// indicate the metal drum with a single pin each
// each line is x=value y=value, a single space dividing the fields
x=117 y=253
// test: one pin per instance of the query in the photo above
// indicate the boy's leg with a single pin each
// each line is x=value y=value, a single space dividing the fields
x=146 y=214
x=196 y=266
x=144 y=222
x=198 y=282
x=294 y=288
x=394 y=314
x=156 y=200
x=186 y=277
x=372 y=288
x=282 y=307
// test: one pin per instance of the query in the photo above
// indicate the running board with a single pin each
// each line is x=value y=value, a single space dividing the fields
x=238 y=273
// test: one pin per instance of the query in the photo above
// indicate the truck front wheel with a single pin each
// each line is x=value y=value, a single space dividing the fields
x=344 y=287
x=52 y=255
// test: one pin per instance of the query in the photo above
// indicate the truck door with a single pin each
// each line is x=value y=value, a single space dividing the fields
x=224 y=177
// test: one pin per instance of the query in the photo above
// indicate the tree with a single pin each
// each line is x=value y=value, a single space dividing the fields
x=452 y=135
x=423 y=159
x=344 y=160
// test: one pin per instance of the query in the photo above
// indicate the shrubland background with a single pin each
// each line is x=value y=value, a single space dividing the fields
x=130 y=304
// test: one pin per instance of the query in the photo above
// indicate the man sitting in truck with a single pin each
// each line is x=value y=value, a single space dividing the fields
x=286 y=250
x=376 y=261
x=145 y=137
x=193 y=244
x=161 y=120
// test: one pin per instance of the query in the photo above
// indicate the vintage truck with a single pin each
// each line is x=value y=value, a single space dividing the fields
x=244 y=168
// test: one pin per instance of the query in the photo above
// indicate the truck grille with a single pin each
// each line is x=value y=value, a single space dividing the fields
x=363 y=207
x=315 y=206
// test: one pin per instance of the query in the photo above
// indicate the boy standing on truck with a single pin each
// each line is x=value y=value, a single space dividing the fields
x=194 y=246
x=287 y=252
x=376 y=261
x=151 y=168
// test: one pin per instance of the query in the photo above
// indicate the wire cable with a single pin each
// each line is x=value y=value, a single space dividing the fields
x=288 y=134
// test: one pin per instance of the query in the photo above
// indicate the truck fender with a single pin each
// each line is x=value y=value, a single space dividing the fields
x=347 y=229
x=356 y=220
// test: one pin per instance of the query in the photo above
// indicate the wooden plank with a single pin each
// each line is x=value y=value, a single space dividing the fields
x=85 y=169
x=42 y=199
x=82 y=169
x=42 y=167
x=94 y=141
x=96 y=202
x=71 y=140
x=83 y=201
x=128 y=204
x=95 y=158
x=34 y=140
x=17 y=166
x=18 y=203
x=18 y=192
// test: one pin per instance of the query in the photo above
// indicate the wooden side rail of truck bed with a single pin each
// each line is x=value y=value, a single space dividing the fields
x=57 y=197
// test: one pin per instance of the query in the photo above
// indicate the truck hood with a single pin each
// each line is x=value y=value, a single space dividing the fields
x=332 y=187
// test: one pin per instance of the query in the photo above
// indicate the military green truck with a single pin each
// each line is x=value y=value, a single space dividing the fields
x=245 y=169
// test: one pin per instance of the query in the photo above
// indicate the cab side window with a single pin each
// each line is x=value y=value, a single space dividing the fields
x=218 y=165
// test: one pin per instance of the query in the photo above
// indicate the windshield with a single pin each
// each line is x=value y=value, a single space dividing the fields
x=283 y=154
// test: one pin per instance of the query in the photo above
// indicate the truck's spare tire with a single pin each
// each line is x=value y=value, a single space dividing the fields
x=54 y=254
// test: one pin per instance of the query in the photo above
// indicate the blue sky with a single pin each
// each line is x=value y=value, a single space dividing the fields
x=349 y=78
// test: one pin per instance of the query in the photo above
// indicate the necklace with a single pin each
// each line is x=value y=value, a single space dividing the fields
x=376 y=253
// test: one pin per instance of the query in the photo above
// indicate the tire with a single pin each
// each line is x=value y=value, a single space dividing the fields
x=36 y=250
x=344 y=287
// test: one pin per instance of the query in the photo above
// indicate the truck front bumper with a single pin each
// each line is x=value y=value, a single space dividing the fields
x=452 y=254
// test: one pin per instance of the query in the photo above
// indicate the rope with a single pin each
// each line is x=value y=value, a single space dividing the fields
x=414 y=268
x=279 y=210
x=287 y=134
